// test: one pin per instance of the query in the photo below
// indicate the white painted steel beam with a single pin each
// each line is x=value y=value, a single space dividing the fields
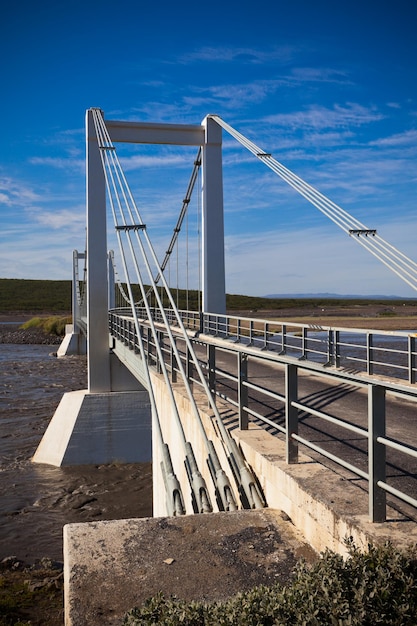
x=152 y=133
x=97 y=290
x=213 y=266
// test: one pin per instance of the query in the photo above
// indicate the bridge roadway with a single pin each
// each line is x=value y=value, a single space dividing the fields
x=337 y=397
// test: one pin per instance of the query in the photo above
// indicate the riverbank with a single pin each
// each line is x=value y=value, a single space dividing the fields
x=13 y=333
x=385 y=317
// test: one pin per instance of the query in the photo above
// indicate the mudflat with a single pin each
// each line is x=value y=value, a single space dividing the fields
x=401 y=316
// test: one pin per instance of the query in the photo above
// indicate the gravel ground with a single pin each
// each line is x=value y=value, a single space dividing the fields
x=12 y=333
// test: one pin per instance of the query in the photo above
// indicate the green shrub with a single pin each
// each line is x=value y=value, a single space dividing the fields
x=54 y=325
x=374 y=587
x=34 y=322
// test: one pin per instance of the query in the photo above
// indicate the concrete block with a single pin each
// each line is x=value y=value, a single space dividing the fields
x=98 y=428
x=112 y=566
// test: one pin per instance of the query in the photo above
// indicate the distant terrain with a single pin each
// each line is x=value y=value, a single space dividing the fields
x=333 y=296
x=35 y=296
x=25 y=298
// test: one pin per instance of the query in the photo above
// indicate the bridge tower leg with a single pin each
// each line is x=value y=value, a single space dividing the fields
x=97 y=285
x=74 y=341
x=213 y=268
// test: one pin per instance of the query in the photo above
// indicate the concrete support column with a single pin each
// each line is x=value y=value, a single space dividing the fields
x=214 y=287
x=97 y=290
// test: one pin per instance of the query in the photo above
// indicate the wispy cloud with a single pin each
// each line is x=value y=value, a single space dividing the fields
x=61 y=219
x=16 y=193
x=61 y=163
x=320 y=117
x=407 y=138
x=320 y=75
x=250 y=55
x=147 y=161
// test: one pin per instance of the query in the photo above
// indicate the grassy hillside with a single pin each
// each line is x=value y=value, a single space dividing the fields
x=54 y=296
x=35 y=296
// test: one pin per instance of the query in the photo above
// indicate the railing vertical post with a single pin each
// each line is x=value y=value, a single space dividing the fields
x=369 y=353
x=304 y=343
x=243 y=390
x=174 y=364
x=160 y=340
x=283 y=339
x=266 y=331
x=376 y=453
x=329 y=346
x=251 y=333
x=189 y=367
x=149 y=344
x=291 y=412
x=211 y=365
x=111 y=280
x=411 y=359
x=336 y=347
x=75 y=304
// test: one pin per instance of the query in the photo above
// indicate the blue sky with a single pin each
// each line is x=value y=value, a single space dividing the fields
x=329 y=88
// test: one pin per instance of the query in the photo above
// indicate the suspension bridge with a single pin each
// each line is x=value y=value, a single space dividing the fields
x=227 y=407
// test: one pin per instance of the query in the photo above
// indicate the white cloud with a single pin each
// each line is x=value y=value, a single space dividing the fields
x=60 y=163
x=255 y=56
x=407 y=138
x=149 y=161
x=60 y=219
x=16 y=193
x=320 y=117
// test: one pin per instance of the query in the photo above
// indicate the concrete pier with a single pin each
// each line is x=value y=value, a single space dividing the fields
x=98 y=428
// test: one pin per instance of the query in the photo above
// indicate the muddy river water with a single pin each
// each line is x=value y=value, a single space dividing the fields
x=37 y=500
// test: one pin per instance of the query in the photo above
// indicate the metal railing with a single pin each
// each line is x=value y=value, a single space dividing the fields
x=376 y=352
x=252 y=343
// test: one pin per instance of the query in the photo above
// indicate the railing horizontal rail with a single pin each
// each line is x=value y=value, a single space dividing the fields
x=336 y=346
x=395 y=445
x=399 y=494
x=332 y=420
x=331 y=457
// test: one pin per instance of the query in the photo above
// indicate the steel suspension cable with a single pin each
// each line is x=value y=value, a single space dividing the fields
x=385 y=252
x=247 y=482
x=222 y=483
x=197 y=482
x=176 y=505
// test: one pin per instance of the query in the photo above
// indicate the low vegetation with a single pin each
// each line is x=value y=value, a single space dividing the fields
x=35 y=296
x=31 y=595
x=54 y=325
x=374 y=587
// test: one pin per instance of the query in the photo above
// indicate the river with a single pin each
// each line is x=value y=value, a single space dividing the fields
x=36 y=501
